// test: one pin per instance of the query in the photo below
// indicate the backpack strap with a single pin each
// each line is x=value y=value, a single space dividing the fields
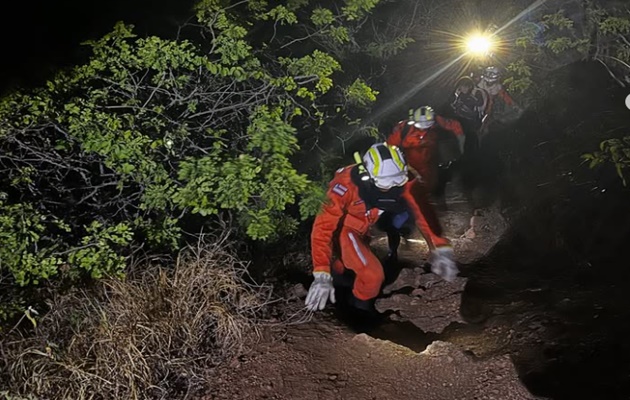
x=404 y=133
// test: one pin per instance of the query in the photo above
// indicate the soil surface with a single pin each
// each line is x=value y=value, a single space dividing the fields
x=521 y=322
x=333 y=355
x=322 y=360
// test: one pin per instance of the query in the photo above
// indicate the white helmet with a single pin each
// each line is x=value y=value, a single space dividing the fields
x=491 y=74
x=422 y=118
x=386 y=166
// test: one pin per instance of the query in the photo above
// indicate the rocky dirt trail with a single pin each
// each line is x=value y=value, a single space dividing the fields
x=423 y=349
x=522 y=321
x=323 y=360
x=511 y=327
x=562 y=320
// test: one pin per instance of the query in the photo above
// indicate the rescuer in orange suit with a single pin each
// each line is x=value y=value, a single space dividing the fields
x=418 y=138
x=500 y=99
x=357 y=196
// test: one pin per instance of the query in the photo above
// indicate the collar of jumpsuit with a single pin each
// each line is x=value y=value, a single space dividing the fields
x=386 y=200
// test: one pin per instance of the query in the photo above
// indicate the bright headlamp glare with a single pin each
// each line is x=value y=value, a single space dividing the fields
x=479 y=45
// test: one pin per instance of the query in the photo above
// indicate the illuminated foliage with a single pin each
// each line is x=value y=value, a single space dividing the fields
x=615 y=152
x=596 y=33
x=113 y=155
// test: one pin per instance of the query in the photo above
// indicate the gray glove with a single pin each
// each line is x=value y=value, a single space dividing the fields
x=443 y=264
x=321 y=290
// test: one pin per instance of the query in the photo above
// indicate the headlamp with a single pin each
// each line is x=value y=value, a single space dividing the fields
x=479 y=45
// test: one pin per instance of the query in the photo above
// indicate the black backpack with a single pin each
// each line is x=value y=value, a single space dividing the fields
x=465 y=105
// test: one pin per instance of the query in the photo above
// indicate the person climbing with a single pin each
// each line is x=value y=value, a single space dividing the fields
x=500 y=100
x=357 y=196
x=491 y=176
x=469 y=104
x=427 y=142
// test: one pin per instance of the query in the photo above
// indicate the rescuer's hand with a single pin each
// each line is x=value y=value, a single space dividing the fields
x=321 y=290
x=442 y=262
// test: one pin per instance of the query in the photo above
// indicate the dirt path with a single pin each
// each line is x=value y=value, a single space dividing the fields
x=562 y=321
x=509 y=328
x=322 y=360
x=327 y=359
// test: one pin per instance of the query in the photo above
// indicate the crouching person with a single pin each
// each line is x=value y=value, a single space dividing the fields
x=357 y=196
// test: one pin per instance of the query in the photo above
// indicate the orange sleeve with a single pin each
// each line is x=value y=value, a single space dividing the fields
x=450 y=125
x=433 y=239
x=326 y=223
x=395 y=138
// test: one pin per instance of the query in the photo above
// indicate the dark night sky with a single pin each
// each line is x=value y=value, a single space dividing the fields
x=38 y=36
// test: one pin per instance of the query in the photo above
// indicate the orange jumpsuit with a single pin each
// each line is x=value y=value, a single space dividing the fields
x=496 y=91
x=420 y=146
x=340 y=235
x=420 y=149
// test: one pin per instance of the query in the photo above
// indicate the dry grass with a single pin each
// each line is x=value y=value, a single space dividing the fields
x=153 y=335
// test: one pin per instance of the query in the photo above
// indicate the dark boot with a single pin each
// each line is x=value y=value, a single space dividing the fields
x=393 y=241
x=363 y=305
x=362 y=315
